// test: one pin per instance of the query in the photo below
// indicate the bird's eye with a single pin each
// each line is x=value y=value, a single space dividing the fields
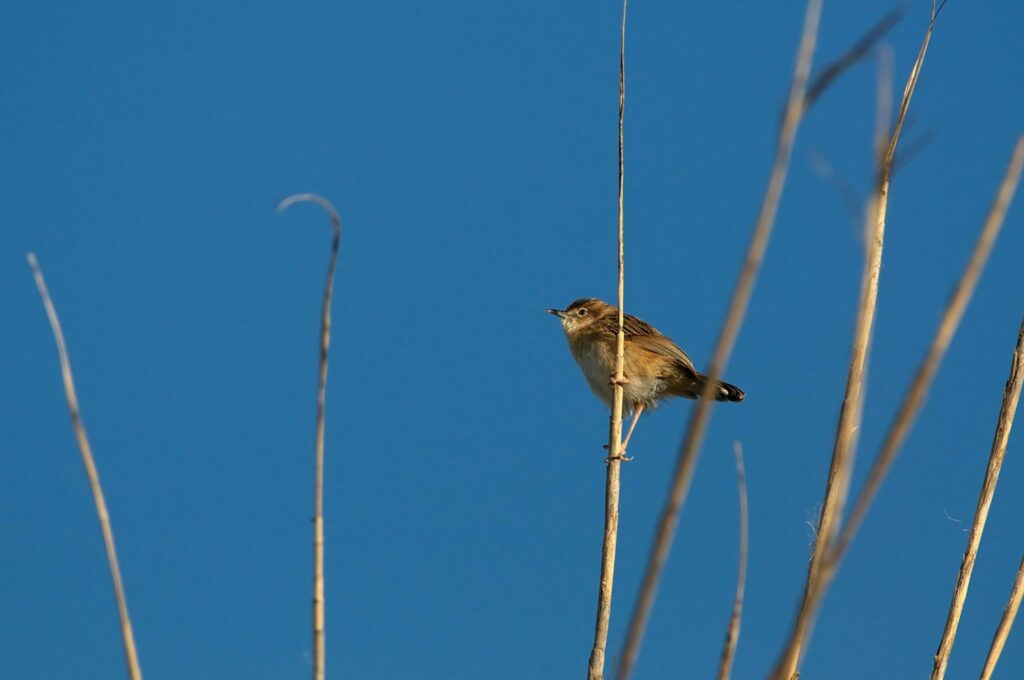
x=582 y=311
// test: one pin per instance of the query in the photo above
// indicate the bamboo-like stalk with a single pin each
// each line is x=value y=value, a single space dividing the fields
x=319 y=640
x=131 y=656
x=595 y=664
x=795 y=108
x=1009 y=614
x=850 y=412
x=1011 y=395
x=732 y=636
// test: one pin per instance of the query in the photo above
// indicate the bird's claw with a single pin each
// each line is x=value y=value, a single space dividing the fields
x=621 y=457
x=613 y=381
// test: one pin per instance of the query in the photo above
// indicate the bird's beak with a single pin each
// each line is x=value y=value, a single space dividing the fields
x=557 y=312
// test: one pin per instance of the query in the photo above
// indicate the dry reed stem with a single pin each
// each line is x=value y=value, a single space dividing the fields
x=905 y=416
x=1011 y=395
x=851 y=410
x=944 y=334
x=1009 y=614
x=732 y=636
x=319 y=641
x=595 y=664
x=795 y=108
x=127 y=637
x=844 y=449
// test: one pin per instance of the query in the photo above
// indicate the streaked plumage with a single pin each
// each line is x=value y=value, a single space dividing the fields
x=655 y=367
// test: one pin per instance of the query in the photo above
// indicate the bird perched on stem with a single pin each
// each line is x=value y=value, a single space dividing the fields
x=655 y=368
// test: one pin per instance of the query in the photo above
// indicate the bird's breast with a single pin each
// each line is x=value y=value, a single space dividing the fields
x=597 y=361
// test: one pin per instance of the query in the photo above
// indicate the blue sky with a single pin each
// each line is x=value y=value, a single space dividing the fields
x=470 y=148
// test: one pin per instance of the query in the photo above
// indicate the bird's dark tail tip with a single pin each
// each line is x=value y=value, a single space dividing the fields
x=727 y=392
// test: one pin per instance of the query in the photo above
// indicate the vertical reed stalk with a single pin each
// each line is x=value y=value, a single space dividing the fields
x=940 y=343
x=1009 y=614
x=319 y=640
x=732 y=635
x=845 y=447
x=127 y=637
x=908 y=409
x=1011 y=395
x=796 y=106
x=595 y=665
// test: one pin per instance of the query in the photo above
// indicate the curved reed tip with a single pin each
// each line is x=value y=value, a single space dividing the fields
x=31 y=257
x=312 y=198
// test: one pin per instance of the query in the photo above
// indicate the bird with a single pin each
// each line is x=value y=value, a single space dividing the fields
x=654 y=368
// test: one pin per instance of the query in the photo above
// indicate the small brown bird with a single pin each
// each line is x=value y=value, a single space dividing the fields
x=655 y=368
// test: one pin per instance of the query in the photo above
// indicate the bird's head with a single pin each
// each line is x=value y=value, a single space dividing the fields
x=582 y=314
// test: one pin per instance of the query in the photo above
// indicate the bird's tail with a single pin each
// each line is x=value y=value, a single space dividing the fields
x=728 y=392
x=691 y=386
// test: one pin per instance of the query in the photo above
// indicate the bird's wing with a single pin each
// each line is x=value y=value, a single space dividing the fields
x=647 y=337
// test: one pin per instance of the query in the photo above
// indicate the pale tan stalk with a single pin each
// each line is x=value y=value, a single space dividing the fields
x=732 y=636
x=905 y=416
x=836 y=550
x=1009 y=614
x=845 y=446
x=595 y=664
x=1011 y=395
x=940 y=343
x=127 y=637
x=801 y=97
x=319 y=639
x=795 y=107
x=851 y=409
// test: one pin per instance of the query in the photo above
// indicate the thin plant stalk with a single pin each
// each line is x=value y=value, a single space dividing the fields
x=908 y=409
x=1003 y=631
x=732 y=636
x=1011 y=395
x=319 y=639
x=801 y=97
x=845 y=446
x=596 y=662
x=940 y=343
x=794 y=110
x=127 y=637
